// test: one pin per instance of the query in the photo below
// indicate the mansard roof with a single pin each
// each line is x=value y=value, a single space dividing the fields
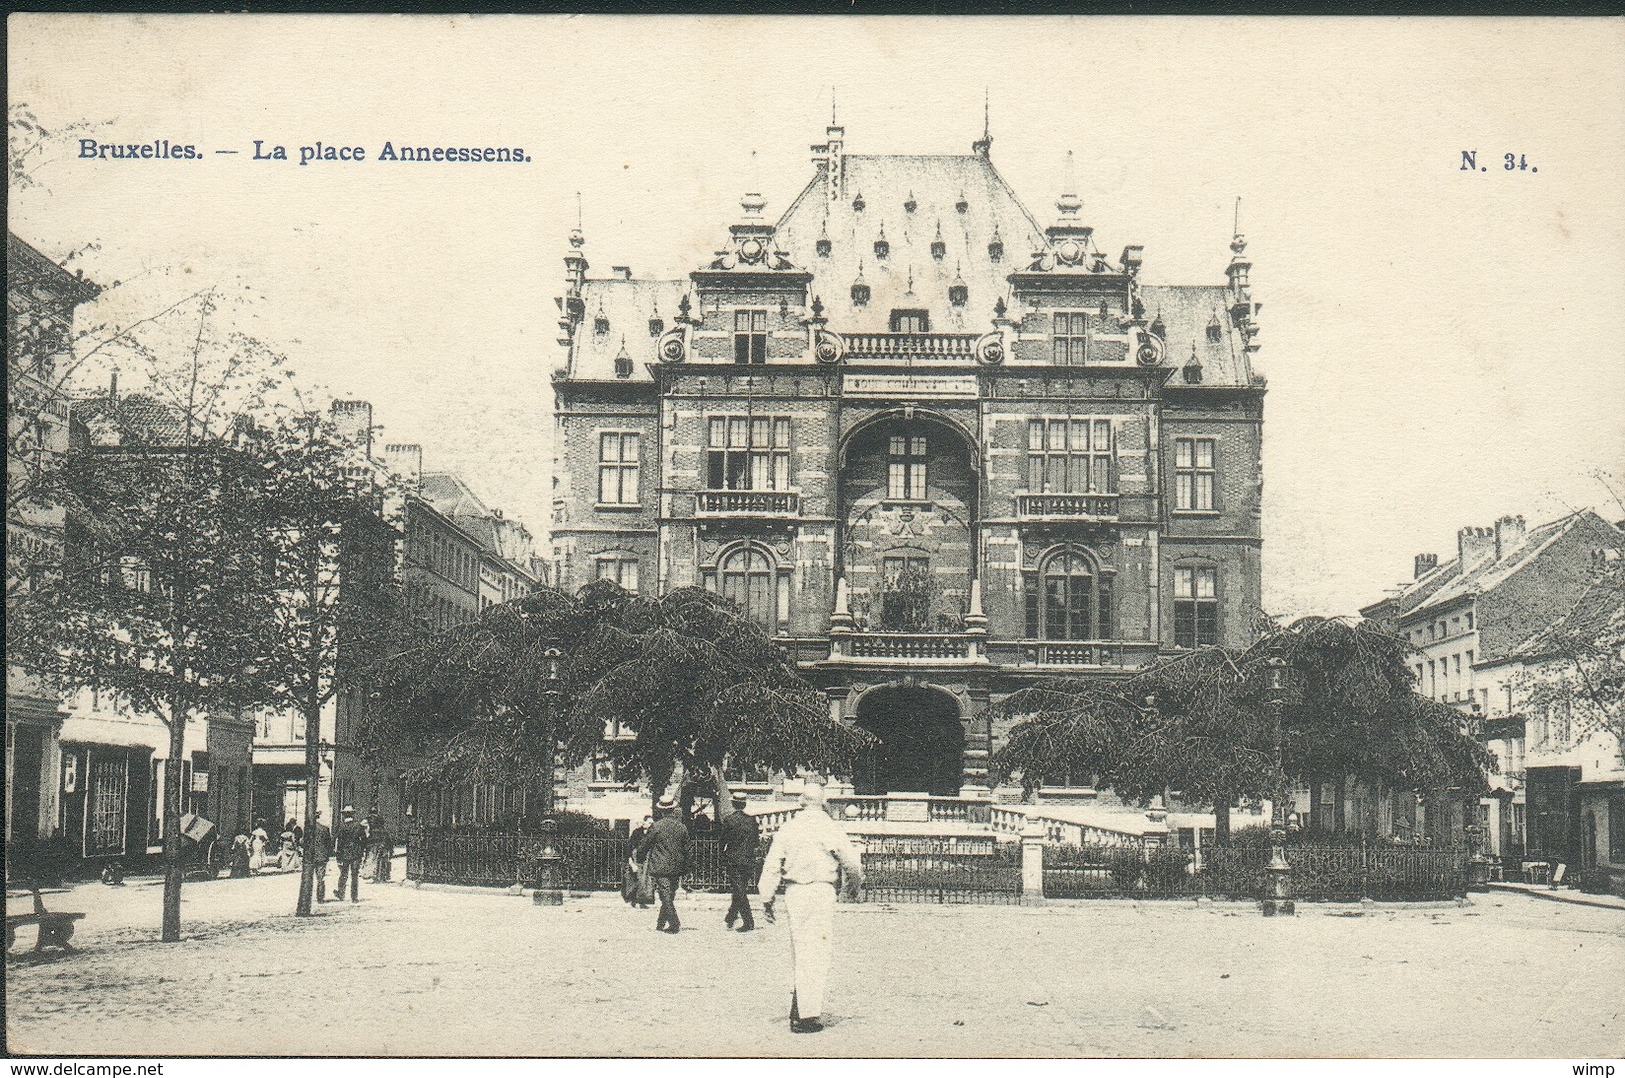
x=910 y=276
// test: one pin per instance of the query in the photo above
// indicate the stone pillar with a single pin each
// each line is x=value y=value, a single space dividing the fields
x=1032 y=864
x=978 y=739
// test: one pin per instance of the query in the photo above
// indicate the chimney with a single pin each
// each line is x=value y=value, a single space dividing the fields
x=354 y=422
x=1425 y=564
x=405 y=462
x=1509 y=535
x=1475 y=546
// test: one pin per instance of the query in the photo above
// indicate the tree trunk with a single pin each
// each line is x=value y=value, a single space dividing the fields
x=173 y=870
x=1221 y=820
x=720 y=797
x=313 y=784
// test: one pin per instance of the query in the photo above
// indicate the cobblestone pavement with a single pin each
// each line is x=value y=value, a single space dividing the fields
x=423 y=972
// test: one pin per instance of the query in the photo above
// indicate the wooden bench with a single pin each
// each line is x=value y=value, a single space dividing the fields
x=55 y=929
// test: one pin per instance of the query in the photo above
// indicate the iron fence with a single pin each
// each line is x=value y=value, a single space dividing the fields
x=588 y=862
x=1319 y=874
x=992 y=878
x=484 y=860
x=1109 y=871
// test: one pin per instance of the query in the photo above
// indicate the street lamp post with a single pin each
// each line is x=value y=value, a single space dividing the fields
x=549 y=890
x=1278 y=903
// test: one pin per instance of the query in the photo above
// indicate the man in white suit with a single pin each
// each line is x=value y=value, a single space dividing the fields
x=809 y=855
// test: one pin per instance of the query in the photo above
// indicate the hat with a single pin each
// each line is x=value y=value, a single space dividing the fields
x=666 y=803
x=348 y=810
x=740 y=796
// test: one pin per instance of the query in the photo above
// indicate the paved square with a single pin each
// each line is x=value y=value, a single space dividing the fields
x=420 y=972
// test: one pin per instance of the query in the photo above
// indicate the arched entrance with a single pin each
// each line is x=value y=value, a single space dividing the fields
x=921 y=742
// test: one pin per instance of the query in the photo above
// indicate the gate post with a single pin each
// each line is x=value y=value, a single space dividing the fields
x=1032 y=864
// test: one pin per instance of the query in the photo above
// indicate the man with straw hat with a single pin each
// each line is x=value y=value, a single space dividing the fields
x=664 y=853
x=808 y=855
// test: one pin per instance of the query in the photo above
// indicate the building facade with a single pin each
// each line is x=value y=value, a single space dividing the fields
x=1481 y=626
x=41 y=300
x=935 y=447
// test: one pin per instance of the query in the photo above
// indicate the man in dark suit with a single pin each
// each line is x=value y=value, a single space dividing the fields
x=741 y=835
x=320 y=851
x=350 y=847
x=664 y=852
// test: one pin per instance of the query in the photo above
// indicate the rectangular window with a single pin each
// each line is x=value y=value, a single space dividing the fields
x=1070 y=456
x=748 y=453
x=1196 y=607
x=750 y=337
x=621 y=570
x=1071 y=346
x=617 y=468
x=905 y=468
x=1194 y=471
x=910 y=322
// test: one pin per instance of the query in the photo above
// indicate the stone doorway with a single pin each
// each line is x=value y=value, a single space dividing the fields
x=921 y=742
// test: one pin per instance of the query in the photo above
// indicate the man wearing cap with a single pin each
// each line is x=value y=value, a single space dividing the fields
x=664 y=852
x=350 y=845
x=741 y=836
x=808 y=854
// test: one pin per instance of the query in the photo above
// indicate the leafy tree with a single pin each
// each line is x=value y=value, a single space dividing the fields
x=1577 y=666
x=332 y=561
x=696 y=683
x=163 y=601
x=1201 y=722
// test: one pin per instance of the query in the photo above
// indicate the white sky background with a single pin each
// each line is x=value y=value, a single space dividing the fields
x=1442 y=347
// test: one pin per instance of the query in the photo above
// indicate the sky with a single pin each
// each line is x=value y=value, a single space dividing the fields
x=1443 y=346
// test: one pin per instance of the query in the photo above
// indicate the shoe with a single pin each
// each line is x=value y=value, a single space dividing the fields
x=747 y=928
x=806 y=1025
x=729 y=921
x=673 y=930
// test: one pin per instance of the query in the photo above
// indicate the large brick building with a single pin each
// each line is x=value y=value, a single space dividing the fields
x=938 y=448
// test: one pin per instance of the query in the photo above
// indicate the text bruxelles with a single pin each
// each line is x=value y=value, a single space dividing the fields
x=164 y=149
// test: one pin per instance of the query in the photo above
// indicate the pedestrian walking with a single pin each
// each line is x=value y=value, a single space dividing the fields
x=644 y=892
x=380 y=847
x=809 y=854
x=741 y=837
x=321 y=851
x=288 y=854
x=241 y=857
x=261 y=840
x=664 y=851
x=350 y=845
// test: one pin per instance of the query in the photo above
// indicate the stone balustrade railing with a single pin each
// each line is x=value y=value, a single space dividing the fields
x=953 y=346
x=1058 y=506
x=1087 y=652
x=748 y=503
x=930 y=647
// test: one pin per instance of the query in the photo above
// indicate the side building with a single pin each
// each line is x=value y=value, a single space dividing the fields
x=938 y=449
x=1482 y=626
x=41 y=300
x=457 y=558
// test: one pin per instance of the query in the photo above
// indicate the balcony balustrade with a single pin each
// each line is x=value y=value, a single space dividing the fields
x=904 y=647
x=949 y=346
x=748 y=503
x=1056 y=506
x=1113 y=653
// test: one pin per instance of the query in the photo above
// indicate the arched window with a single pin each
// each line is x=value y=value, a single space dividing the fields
x=1069 y=598
x=748 y=577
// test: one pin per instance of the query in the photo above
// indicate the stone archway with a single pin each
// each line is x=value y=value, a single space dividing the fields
x=921 y=746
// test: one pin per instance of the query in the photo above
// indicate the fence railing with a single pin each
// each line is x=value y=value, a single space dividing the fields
x=990 y=877
x=1319 y=874
x=761 y=503
x=909 y=868
x=952 y=647
x=1055 y=506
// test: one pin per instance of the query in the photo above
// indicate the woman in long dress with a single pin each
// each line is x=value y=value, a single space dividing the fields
x=256 y=856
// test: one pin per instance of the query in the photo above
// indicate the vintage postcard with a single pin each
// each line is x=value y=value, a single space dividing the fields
x=743 y=536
